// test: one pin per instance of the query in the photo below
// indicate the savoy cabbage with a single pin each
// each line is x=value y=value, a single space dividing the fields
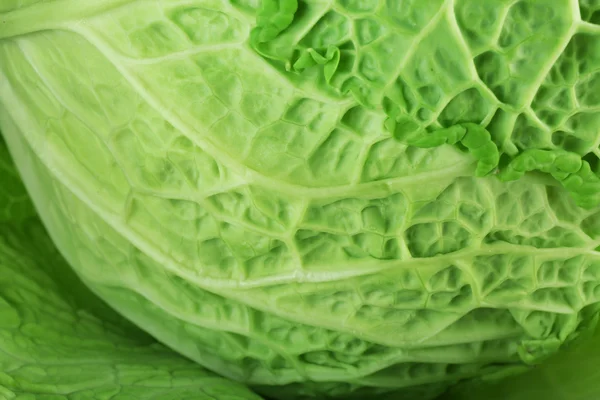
x=387 y=199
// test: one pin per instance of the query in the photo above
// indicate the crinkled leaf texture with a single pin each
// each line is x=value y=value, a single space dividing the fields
x=346 y=198
x=59 y=341
x=570 y=375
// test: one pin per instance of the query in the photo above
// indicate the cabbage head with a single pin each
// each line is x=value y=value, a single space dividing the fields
x=317 y=199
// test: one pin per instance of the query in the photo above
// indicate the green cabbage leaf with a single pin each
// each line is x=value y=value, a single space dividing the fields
x=316 y=199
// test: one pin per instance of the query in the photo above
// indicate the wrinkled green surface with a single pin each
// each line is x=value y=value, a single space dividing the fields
x=14 y=201
x=298 y=196
x=59 y=341
x=570 y=375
